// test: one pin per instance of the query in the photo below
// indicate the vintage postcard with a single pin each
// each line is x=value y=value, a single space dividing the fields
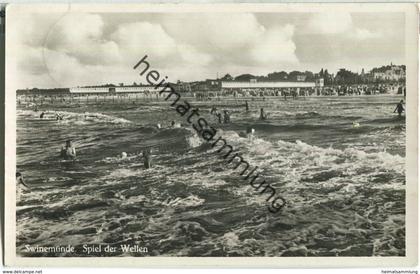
x=250 y=135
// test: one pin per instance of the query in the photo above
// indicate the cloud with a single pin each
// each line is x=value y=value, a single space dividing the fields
x=237 y=38
x=68 y=71
x=209 y=41
x=330 y=23
x=81 y=35
x=338 y=24
x=226 y=31
x=78 y=52
x=275 y=46
x=31 y=59
x=135 y=39
x=144 y=38
x=192 y=56
x=75 y=28
x=32 y=30
x=70 y=49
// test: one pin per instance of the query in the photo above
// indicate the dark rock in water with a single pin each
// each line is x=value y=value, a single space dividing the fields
x=296 y=251
x=83 y=231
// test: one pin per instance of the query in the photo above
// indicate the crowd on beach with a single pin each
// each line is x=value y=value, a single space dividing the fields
x=336 y=90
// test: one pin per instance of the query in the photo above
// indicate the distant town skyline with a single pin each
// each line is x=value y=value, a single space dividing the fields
x=87 y=49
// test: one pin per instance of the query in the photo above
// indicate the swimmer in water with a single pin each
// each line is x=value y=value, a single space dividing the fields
x=213 y=110
x=263 y=115
x=58 y=117
x=246 y=106
x=20 y=181
x=399 y=108
x=250 y=133
x=42 y=115
x=147 y=154
x=219 y=117
x=226 y=117
x=68 y=152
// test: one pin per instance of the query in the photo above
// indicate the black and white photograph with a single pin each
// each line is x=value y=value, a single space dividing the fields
x=235 y=132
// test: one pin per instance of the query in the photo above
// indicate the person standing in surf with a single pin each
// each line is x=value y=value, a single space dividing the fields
x=58 y=116
x=68 y=152
x=21 y=187
x=263 y=115
x=147 y=154
x=250 y=133
x=20 y=181
x=399 y=108
x=219 y=117
x=226 y=117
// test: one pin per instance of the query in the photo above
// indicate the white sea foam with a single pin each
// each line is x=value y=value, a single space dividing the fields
x=75 y=117
x=189 y=201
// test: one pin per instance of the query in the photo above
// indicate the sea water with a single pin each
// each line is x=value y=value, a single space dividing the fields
x=344 y=184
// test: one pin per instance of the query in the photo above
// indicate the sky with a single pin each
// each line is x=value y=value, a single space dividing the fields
x=76 y=49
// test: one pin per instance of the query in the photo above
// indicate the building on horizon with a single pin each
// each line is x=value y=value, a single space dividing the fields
x=388 y=73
